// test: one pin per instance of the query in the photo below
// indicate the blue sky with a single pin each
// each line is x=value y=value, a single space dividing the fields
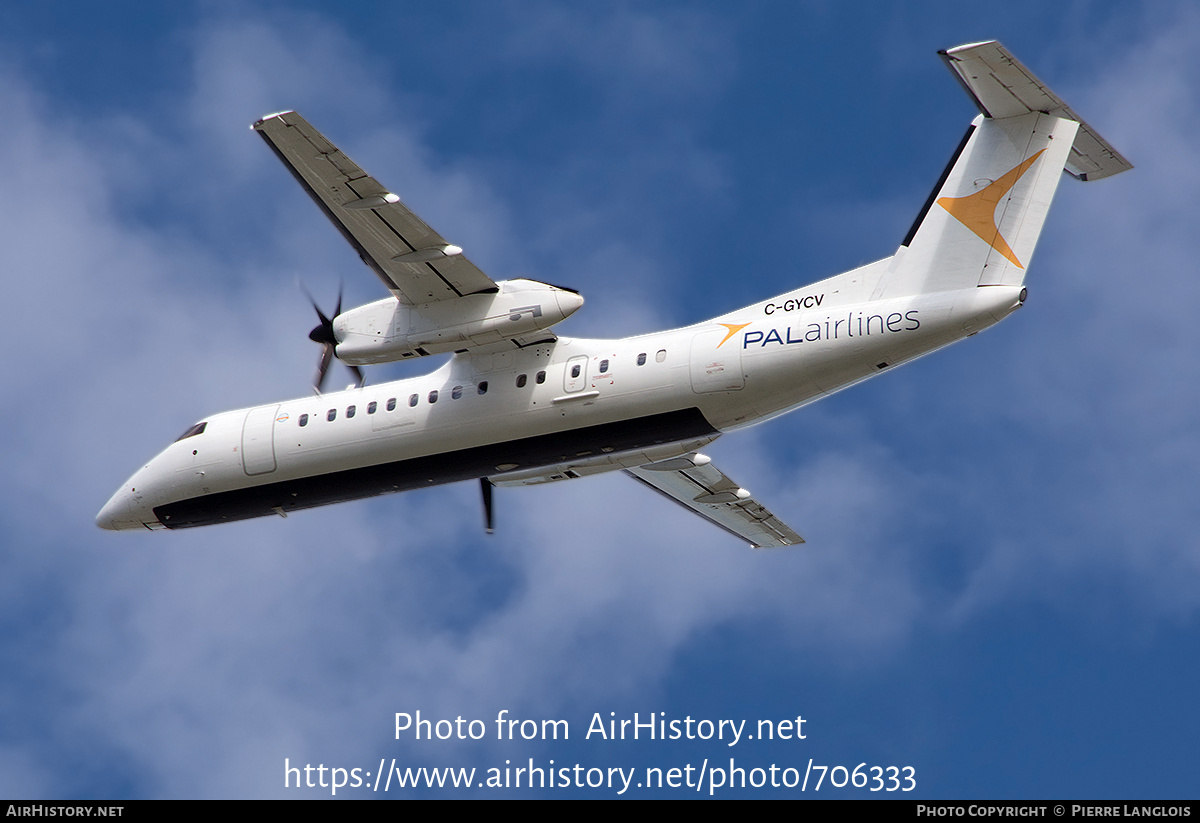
x=1000 y=587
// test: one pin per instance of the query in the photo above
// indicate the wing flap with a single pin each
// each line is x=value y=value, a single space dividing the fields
x=413 y=260
x=693 y=482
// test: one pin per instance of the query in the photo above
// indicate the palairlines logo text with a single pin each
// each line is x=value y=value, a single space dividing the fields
x=854 y=324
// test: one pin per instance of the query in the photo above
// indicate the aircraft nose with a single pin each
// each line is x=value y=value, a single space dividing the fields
x=568 y=302
x=117 y=514
x=108 y=516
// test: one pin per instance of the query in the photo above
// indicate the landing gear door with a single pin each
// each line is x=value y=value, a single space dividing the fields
x=575 y=377
x=716 y=361
x=258 y=440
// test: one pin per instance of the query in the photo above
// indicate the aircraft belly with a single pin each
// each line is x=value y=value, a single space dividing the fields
x=406 y=473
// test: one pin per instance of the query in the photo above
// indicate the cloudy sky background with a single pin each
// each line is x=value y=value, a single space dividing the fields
x=1001 y=583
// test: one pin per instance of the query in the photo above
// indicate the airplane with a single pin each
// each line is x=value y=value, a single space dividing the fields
x=518 y=405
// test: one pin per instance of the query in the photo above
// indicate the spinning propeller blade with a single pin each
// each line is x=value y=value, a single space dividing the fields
x=323 y=333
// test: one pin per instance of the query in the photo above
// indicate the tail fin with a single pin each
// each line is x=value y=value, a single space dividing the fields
x=982 y=221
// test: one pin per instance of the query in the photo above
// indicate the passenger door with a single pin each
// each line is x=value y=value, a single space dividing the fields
x=258 y=440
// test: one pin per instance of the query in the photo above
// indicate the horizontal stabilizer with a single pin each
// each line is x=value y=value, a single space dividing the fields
x=1002 y=88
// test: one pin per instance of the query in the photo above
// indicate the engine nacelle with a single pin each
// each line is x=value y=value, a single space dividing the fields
x=388 y=330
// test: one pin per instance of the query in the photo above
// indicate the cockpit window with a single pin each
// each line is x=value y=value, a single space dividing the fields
x=192 y=432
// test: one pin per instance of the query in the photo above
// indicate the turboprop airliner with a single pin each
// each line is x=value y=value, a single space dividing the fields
x=517 y=405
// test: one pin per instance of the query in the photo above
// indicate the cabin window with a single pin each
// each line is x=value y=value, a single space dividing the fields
x=541 y=378
x=603 y=366
x=303 y=420
x=660 y=356
x=483 y=387
x=456 y=393
x=331 y=415
x=192 y=432
x=521 y=380
x=391 y=404
x=642 y=359
x=350 y=410
x=371 y=407
x=433 y=396
x=412 y=400
x=575 y=370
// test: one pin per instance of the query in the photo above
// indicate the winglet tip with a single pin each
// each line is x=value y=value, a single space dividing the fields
x=259 y=122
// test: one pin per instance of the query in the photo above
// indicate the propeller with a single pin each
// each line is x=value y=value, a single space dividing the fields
x=323 y=333
x=489 y=519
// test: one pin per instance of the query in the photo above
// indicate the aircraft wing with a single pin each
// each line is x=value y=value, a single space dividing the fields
x=411 y=259
x=693 y=482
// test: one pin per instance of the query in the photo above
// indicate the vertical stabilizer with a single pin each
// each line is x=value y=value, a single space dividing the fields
x=982 y=221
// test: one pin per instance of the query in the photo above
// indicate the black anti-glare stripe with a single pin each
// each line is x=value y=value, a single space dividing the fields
x=912 y=232
x=421 y=472
x=363 y=254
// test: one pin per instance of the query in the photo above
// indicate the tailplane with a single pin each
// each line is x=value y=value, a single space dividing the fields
x=982 y=221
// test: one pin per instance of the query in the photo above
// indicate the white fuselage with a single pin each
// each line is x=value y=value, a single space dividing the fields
x=550 y=411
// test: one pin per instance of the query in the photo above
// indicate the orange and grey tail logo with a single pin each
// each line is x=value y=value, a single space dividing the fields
x=978 y=211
